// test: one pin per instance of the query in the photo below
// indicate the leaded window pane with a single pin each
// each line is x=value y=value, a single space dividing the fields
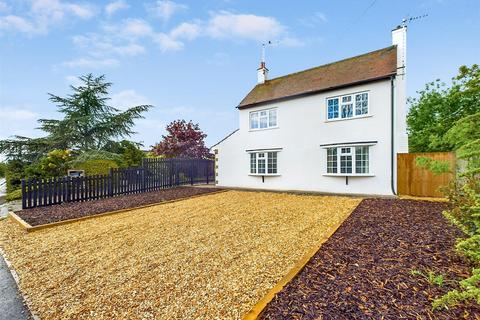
x=347 y=110
x=361 y=104
x=253 y=163
x=272 y=162
x=332 y=160
x=263 y=121
x=254 y=120
x=272 y=118
x=362 y=159
x=261 y=165
x=332 y=108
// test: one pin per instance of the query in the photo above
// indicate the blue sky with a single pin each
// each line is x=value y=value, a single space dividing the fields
x=197 y=59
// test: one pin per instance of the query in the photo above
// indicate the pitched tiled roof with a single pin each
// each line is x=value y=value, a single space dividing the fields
x=366 y=67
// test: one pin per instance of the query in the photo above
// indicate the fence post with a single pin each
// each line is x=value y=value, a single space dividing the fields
x=191 y=171
x=207 y=163
x=24 y=194
x=65 y=189
x=110 y=182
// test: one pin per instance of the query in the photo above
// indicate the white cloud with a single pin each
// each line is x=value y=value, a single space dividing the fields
x=314 y=20
x=165 y=9
x=131 y=49
x=4 y=7
x=49 y=11
x=89 y=63
x=18 y=120
x=16 y=23
x=167 y=43
x=16 y=114
x=186 y=30
x=115 y=6
x=126 y=99
x=73 y=80
x=103 y=45
x=44 y=14
x=136 y=28
x=81 y=11
x=247 y=26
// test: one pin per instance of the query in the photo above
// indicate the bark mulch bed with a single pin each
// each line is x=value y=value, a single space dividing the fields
x=72 y=210
x=364 y=270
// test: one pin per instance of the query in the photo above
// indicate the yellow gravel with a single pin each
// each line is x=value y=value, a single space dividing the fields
x=211 y=257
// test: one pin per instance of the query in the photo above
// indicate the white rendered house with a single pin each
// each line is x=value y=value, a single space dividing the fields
x=335 y=128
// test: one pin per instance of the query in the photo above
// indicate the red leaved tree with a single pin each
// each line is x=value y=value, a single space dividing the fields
x=184 y=140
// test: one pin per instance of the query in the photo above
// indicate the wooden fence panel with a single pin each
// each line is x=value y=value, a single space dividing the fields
x=416 y=181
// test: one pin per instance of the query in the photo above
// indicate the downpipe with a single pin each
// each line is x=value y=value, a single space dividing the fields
x=392 y=136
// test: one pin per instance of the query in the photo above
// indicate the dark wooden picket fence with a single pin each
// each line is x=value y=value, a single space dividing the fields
x=154 y=174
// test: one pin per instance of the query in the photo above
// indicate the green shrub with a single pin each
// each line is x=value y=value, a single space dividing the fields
x=469 y=290
x=130 y=151
x=96 y=167
x=437 y=167
x=464 y=196
x=96 y=155
x=430 y=276
x=55 y=164
x=14 y=195
x=470 y=248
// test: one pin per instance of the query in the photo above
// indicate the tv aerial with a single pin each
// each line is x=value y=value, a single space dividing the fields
x=408 y=19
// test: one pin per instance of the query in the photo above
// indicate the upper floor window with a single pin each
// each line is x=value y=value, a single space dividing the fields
x=348 y=160
x=347 y=106
x=263 y=119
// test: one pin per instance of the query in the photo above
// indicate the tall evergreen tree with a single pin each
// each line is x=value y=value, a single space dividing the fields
x=88 y=123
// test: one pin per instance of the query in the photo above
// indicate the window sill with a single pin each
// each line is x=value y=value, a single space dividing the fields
x=352 y=118
x=264 y=174
x=348 y=175
x=263 y=129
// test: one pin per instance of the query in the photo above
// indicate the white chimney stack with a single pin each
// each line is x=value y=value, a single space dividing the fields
x=399 y=38
x=262 y=73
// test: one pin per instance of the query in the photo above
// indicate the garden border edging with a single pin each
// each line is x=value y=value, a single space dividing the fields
x=26 y=226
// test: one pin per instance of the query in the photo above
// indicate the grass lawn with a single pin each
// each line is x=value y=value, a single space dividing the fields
x=209 y=257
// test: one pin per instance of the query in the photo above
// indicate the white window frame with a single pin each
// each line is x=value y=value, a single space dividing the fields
x=353 y=101
x=267 y=118
x=255 y=156
x=353 y=155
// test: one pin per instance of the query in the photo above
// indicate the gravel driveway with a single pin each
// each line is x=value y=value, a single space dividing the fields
x=208 y=257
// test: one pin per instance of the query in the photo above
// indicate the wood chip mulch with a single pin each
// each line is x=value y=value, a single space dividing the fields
x=364 y=270
x=72 y=210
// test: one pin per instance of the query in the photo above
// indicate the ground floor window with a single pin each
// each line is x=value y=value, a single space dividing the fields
x=348 y=160
x=263 y=163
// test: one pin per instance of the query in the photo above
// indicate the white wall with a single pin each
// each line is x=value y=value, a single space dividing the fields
x=302 y=128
